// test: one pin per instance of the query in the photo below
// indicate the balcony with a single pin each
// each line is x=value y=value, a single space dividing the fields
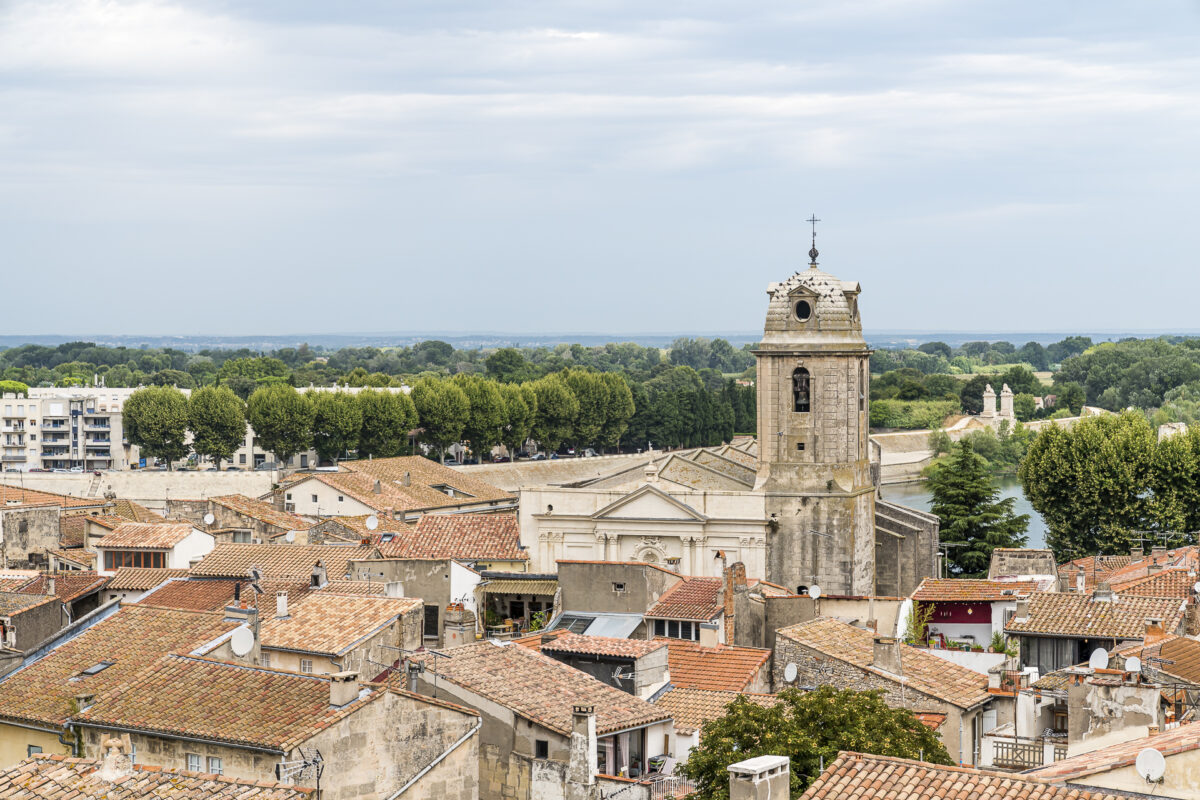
x=13 y=458
x=98 y=442
x=97 y=425
x=14 y=427
x=99 y=455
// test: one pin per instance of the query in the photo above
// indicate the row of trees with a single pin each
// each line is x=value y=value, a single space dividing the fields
x=572 y=407
x=938 y=357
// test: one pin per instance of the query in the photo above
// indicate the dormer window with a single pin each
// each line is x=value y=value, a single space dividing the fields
x=803 y=310
x=800 y=390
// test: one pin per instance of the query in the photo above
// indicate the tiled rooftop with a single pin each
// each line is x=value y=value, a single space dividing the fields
x=1178 y=740
x=1184 y=654
x=541 y=689
x=130 y=639
x=354 y=587
x=85 y=559
x=691 y=708
x=141 y=578
x=214 y=594
x=358 y=525
x=279 y=560
x=331 y=624
x=68 y=586
x=135 y=512
x=56 y=777
x=487 y=537
x=357 y=479
x=218 y=701
x=723 y=668
x=135 y=535
x=972 y=591
x=1178 y=558
x=71 y=530
x=16 y=602
x=690 y=599
x=261 y=511
x=1168 y=583
x=928 y=674
x=602 y=645
x=17 y=496
x=1082 y=616
x=1095 y=568
x=868 y=777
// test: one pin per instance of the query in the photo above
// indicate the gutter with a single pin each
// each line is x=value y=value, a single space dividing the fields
x=169 y=735
x=438 y=760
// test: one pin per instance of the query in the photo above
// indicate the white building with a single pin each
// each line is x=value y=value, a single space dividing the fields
x=172 y=545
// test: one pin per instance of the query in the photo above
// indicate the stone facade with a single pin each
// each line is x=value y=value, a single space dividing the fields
x=27 y=533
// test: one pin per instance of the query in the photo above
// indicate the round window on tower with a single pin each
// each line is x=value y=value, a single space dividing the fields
x=803 y=311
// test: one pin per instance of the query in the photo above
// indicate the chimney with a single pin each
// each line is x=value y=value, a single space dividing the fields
x=582 y=764
x=343 y=688
x=1103 y=592
x=84 y=701
x=281 y=607
x=116 y=765
x=1081 y=581
x=761 y=778
x=1022 y=611
x=710 y=634
x=885 y=654
x=1135 y=553
x=50 y=584
x=319 y=578
x=458 y=626
x=1158 y=550
x=1154 y=631
x=415 y=668
x=407 y=480
x=393 y=589
x=1153 y=568
x=377 y=488
x=237 y=592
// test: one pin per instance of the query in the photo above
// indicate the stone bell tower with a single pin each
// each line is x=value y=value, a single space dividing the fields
x=814 y=458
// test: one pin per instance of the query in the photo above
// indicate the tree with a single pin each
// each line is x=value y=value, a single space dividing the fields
x=156 y=420
x=282 y=420
x=936 y=349
x=807 y=727
x=1024 y=407
x=620 y=409
x=556 y=411
x=217 y=418
x=520 y=410
x=444 y=411
x=971 y=514
x=14 y=387
x=592 y=394
x=508 y=365
x=487 y=412
x=387 y=417
x=337 y=420
x=1071 y=397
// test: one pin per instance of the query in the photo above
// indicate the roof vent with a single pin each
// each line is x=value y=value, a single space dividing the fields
x=377 y=488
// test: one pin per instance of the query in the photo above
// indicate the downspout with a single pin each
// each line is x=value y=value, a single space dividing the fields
x=436 y=761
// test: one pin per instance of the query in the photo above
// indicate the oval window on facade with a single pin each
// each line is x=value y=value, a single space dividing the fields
x=803 y=310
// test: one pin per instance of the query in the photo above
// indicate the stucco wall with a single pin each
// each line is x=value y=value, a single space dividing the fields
x=589 y=587
x=15 y=741
x=152 y=488
x=26 y=534
x=34 y=625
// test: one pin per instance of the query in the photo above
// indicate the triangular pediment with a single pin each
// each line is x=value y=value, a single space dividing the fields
x=647 y=502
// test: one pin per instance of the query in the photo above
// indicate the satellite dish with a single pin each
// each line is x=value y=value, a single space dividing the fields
x=1098 y=659
x=242 y=641
x=1133 y=664
x=289 y=537
x=814 y=591
x=1151 y=765
x=372 y=522
x=789 y=673
x=1196 y=587
x=209 y=519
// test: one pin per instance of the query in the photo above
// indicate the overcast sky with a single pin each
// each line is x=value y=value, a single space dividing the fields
x=292 y=166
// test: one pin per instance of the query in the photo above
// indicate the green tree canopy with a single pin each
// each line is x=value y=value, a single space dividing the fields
x=806 y=727
x=156 y=420
x=520 y=410
x=217 y=418
x=592 y=395
x=337 y=420
x=508 y=365
x=14 y=387
x=556 y=411
x=282 y=420
x=620 y=409
x=487 y=414
x=970 y=512
x=387 y=417
x=444 y=411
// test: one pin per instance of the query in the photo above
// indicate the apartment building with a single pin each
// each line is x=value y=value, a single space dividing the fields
x=63 y=429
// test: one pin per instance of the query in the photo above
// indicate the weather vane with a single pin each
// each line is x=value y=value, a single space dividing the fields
x=812 y=253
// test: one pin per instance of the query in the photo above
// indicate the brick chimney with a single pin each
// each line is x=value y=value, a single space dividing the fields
x=733 y=578
x=885 y=654
x=760 y=778
x=343 y=688
x=582 y=764
x=1135 y=552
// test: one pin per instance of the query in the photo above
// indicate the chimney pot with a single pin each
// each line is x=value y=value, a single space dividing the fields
x=281 y=605
x=408 y=479
x=1135 y=553
x=582 y=765
x=378 y=488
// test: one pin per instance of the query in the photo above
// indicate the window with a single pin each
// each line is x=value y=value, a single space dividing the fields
x=660 y=627
x=133 y=753
x=288 y=496
x=862 y=397
x=314 y=498
x=241 y=537
x=803 y=310
x=241 y=458
x=618 y=587
x=31 y=749
x=265 y=659
x=340 y=498
x=541 y=748
x=193 y=762
x=800 y=390
x=306 y=666
x=800 y=447
x=214 y=765
x=97 y=668
x=431 y=622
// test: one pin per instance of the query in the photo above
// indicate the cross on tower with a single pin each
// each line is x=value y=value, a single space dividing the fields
x=812 y=253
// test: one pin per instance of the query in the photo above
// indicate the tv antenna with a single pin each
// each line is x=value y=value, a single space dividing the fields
x=422 y=651
x=256 y=577
x=309 y=765
x=619 y=676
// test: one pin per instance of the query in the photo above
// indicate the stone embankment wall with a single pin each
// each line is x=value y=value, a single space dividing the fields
x=151 y=489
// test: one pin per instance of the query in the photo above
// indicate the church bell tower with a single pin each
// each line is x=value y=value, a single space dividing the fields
x=814 y=458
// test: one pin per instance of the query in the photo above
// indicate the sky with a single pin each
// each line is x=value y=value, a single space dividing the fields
x=286 y=166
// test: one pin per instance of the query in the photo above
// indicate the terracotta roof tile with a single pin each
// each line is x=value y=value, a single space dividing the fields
x=691 y=708
x=16 y=602
x=602 y=645
x=228 y=560
x=217 y=701
x=261 y=511
x=71 y=530
x=69 y=586
x=1168 y=583
x=1082 y=616
x=868 y=777
x=135 y=512
x=1178 y=558
x=17 y=496
x=723 y=668
x=141 y=578
x=332 y=624
x=56 y=777
x=972 y=591
x=160 y=536
x=924 y=672
x=357 y=479
x=354 y=587
x=85 y=559
x=690 y=599
x=488 y=537
x=541 y=689
x=130 y=639
x=1184 y=652
x=1095 y=568
x=214 y=594
x=1181 y=739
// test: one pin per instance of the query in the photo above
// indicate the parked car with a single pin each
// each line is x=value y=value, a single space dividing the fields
x=233 y=469
x=501 y=460
x=589 y=453
x=450 y=462
x=538 y=457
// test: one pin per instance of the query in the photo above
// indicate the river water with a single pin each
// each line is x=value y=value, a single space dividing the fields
x=916 y=495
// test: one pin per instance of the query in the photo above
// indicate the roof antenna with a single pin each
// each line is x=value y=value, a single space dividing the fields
x=812 y=253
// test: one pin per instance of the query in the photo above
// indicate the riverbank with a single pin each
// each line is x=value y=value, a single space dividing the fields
x=915 y=494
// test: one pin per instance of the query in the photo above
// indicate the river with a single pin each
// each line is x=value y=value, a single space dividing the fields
x=917 y=495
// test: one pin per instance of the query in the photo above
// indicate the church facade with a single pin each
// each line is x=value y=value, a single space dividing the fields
x=799 y=506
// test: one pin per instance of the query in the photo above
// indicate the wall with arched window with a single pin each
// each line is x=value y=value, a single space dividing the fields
x=801 y=390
